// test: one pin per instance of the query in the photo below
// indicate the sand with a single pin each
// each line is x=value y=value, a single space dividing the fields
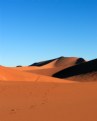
x=29 y=96
x=54 y=65
x=48 y=101
x=86 y=71
x=9 y=74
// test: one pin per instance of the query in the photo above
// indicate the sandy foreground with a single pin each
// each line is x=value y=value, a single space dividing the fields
x=48 y=101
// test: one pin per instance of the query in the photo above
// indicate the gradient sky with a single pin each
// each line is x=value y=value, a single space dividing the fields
x=35 y=30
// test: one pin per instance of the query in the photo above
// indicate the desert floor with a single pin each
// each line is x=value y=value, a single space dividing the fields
x=48 y=101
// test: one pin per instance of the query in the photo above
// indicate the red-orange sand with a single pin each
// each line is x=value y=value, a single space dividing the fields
x=44 y=101
x=27 y=96
x=52 y=67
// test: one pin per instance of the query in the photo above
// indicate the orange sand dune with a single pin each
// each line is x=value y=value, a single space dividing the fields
x=52 y=66
x=28 y=96
x=83 y=72
x=66 y=61
x=9 y=74
x=39 y=101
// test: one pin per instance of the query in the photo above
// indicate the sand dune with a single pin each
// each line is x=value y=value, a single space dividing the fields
x=84 y=71
x=9 y=74
x=28 y=94
x=52 y=66
x=59 y=62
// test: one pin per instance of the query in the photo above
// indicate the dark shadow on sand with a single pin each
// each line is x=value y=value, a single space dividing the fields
x=83 y=68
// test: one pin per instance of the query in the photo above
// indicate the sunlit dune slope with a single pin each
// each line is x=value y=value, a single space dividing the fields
x=61 y=61
x=9 y=74
x=52 y=66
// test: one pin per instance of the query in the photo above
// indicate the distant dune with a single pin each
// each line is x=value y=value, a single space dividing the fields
x=50 y=67
x=67 y=61
x=84 y=71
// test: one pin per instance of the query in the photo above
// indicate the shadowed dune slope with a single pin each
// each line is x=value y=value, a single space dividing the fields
x=53 y=66
x=39 y=64
x=82 y=69
x=61 y=61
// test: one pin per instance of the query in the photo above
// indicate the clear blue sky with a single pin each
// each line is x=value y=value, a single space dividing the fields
x=35 y=30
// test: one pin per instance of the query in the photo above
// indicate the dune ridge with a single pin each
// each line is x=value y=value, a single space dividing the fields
x=9 y=74
x=61 y=61
x=87 y=69
x=53 y=66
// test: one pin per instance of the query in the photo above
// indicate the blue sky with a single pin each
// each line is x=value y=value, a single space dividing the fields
x=35 y=30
